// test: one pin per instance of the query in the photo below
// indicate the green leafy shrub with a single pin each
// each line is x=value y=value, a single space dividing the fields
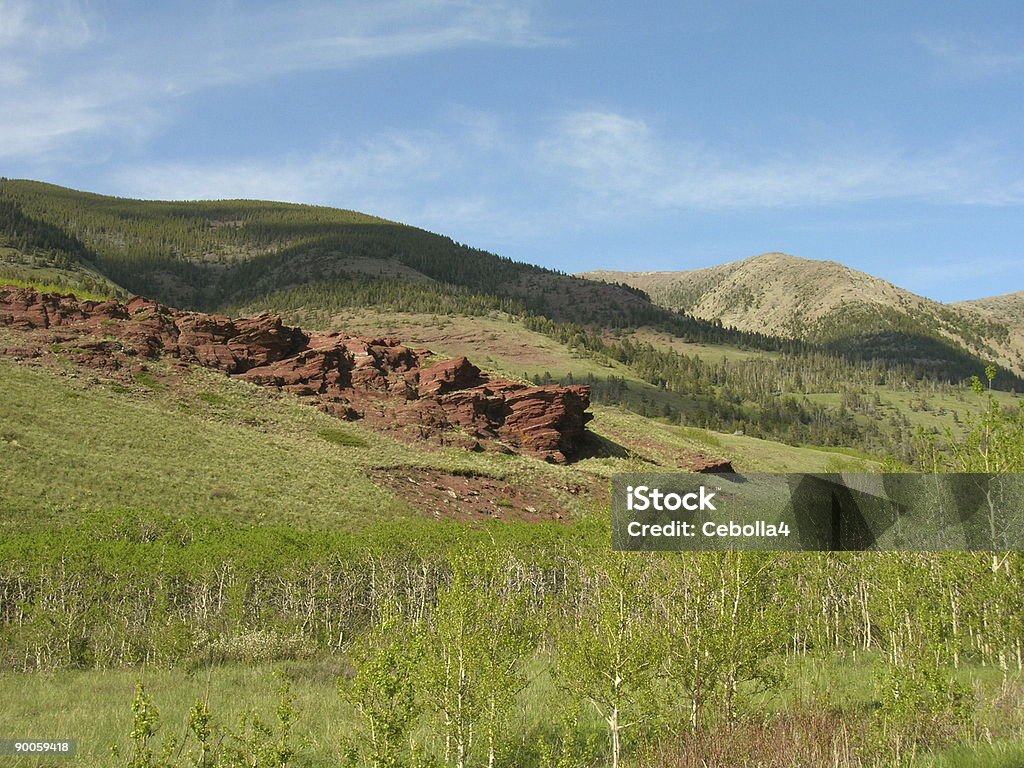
x=921 y=706
x=207 y=744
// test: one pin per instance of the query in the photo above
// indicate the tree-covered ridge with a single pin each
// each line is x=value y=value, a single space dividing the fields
x=35 y=252
x=316 y=302
x=201 y=254
x=36 y=237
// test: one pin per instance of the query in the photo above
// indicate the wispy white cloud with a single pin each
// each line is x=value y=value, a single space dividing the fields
x=469 y=177
x=244 y=44
x=13 y=22
x=971 y=56
x=43 y=26
x=618 y=161
x=66 y=75
x=34 y=38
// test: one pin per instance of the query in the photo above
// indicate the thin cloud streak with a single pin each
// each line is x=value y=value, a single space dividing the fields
x=970 y=56
x=358 y=173
x=404 y=176
x=48 y=103
x=616 y=160
x=311 y=36
x=43 y=26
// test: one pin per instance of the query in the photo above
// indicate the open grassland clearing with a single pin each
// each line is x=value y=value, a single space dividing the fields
x=498 y=343
x=928 y=411
x=712 y=353
x=654 y=442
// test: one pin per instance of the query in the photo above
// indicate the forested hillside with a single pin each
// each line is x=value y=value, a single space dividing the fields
x=205 y=255
x=212 y=255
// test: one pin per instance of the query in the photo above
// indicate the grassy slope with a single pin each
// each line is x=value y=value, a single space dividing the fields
x=711 y=353
x=929 y=412
x=215 y=445
x=656 y=441
x=773 y=292
x=497 y=343
x=70 y=441
x=212 y=446
x=1007 y=309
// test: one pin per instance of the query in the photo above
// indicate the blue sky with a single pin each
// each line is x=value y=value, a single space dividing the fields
x=579 y=135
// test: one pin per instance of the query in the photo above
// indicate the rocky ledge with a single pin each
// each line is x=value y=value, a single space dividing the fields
x=379 y=380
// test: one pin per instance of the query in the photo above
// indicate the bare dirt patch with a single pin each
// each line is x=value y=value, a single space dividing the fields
x=477 y=497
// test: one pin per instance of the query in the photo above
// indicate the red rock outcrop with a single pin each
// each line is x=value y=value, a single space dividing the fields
x=448 y=376
x=708 y=465
x=351 y=377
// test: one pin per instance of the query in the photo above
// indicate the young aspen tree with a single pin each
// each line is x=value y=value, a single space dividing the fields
x=991 y=443
x=700 y=623
x=383 y=691
x=474 y=647
x=726 y=622
x=608 y=656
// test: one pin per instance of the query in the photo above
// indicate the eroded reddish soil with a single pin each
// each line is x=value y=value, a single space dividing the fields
x=475 y=497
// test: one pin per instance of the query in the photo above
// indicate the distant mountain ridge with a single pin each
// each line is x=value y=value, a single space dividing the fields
x=828 y=303
x=1007 y=307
